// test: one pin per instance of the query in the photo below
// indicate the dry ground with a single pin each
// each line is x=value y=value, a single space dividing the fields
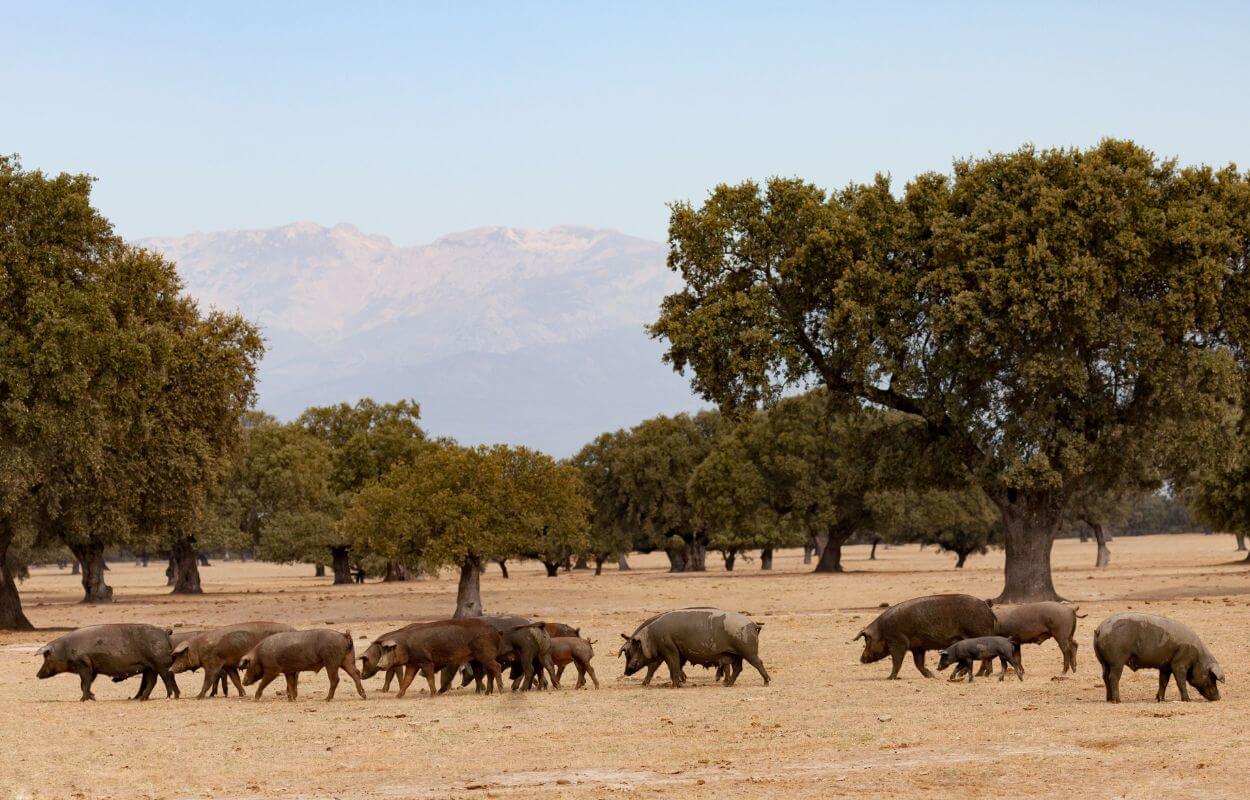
x=826 y=727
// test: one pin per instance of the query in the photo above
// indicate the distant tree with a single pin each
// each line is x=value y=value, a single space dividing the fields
x=550 y=511
x=608 y=536
x=962 y=522
x=1220 y=496
x=366 y=441
x=1053 y=319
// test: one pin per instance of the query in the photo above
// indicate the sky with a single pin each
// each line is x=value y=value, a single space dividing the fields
x=418 y=119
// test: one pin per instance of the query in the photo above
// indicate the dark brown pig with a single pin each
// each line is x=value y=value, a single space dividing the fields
x=430 y=647
x=1145 y=641
x=555 y=629
x=114 y=649
x=369 y=662
x=921 y=624
x=290 y=653
x=577 y=651
x=984 y=649
x=218 y=651
x=527 y=647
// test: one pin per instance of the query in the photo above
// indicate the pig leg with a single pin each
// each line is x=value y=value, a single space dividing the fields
x=211 y=672
x=591 y=671
x=1165 y=675
x=86 y=676
x=987 y=668
x=1179 y=671
x=1112 y=680
x=171 y=685
x=967 y=667
x=146 y=684
x=560 y=677
x=332 y=673
x=349 y=667
x=918 y=657
x=390 y=673
x=265 y=681
x=651 y=668
x=1018 y=666
x=675 y=676
x=410 y=672
x=427 y=670
x=292 y=685
x=550 y=668
x=734 y=670
x=897 y=652
x=234 y=676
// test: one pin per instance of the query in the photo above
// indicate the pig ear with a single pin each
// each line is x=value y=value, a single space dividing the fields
x=44 y=651
x=389 y=645
x=181 y=648
x=623 y=636
x=861 y=635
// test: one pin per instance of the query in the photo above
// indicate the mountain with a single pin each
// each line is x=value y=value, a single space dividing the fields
x=501 y=334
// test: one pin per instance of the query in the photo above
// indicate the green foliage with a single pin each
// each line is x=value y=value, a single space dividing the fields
x=957 y=521
x=1056 y=320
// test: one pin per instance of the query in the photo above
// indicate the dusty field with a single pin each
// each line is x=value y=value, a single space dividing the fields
x=827 y=726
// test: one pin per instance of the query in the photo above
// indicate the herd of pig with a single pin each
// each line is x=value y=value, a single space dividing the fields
x=965 y=630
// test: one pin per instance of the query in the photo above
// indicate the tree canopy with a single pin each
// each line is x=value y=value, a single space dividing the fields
x=1056 y=320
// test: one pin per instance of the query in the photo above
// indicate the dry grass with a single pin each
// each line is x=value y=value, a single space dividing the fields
x=827 y=726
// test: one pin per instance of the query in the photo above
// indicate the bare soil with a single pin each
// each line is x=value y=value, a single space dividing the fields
x=826 y=727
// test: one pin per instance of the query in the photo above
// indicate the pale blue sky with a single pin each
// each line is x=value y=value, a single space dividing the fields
x=414 y=120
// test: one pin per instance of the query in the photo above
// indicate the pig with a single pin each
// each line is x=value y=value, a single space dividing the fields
x=428 y=647
x=984 y=649
x=1146 y=641
x=527 y=647
x=291 y=652
x=703 y=636
x=577 y=651
x=555 y=629
x=721 y=670
x=218 y=651
x=922 y=624
x=113 y=649
x=369 y=662
x=175 y=640
x=1034 y=623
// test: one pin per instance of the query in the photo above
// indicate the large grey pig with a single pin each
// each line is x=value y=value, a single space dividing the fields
x=924 y=623
x=431 y=647
x=113 y=649
x=697 y=635
x=1145 y=641
x=1034 y=623
x=218 y=651
x=176 y=639
x=655 y=664
x=290 y=653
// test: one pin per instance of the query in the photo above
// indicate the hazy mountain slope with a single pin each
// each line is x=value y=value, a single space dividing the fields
x=533 y=337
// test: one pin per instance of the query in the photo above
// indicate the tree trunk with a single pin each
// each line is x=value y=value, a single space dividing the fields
x=203 y=559
x=319 y=570
x=395 y=572
x=1030 y=523
x=696 y=556
x=872 y=554
x=91 y=556
x=676 y=560
x=1241 y=542
x=962 y=556
x=622 y=563
x=143 y=559
x=553 y=568
x=469 y=592
x=11 y=616
x=76 y=569
x=186 y=566
x=831 y=554
x=1104 y=553
x=599 y=564
x=1084 y=536
x=341 y=565
x=730 y=557
x=582 y=563
x=809 y=547
x=766 y=558
x=503 y=566
x=171 y=569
